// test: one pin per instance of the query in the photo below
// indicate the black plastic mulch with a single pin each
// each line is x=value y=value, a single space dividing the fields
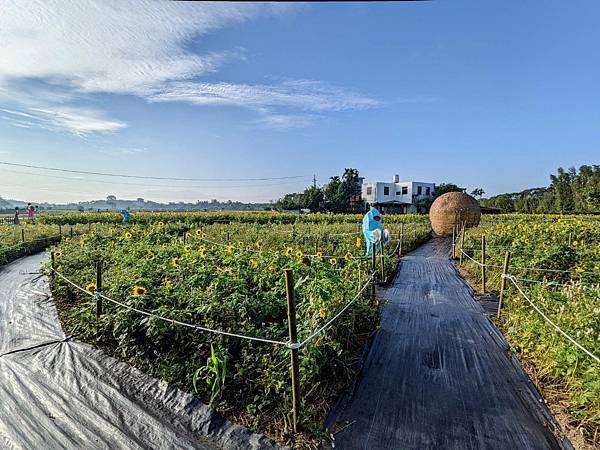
x=438 y=374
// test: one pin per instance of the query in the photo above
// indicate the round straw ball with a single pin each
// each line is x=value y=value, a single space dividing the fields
x=451 y=209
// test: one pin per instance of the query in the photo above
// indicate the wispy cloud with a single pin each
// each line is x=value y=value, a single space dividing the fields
x=286 y=121
x=77 y=120
x=72 y=50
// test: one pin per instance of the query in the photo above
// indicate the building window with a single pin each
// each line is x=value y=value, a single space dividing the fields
x=404 y=190
x=427 y=191
x=386 y=190
x=397 y=192
x=419 y=190
x=370 y=190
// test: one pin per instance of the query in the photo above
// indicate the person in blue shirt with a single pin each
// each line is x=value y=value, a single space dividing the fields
x=371 y=223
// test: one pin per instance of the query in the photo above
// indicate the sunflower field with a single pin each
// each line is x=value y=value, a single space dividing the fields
x=230 y=277
x=556 y=262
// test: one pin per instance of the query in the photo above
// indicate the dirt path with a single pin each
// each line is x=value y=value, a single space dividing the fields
x=57 y=393
x=439 y=374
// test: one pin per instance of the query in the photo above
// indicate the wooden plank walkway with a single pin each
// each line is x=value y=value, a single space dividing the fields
x=439 y=375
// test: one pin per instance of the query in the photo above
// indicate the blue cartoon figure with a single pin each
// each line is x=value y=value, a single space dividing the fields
x=126 y=216
x=371 y=228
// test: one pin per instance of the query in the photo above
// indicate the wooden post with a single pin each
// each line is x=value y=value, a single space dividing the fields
x=454 y=242
x=89 y=226
x=503 y=280
x=382 y=263
x=462 y=244
x=71 y=232
x=22 y=236
x=52 y=266
x=228 y=237
x=184 y=237
x=483 y=264
x=401 y=236
x=291 y=307
x=99 y=309
x=373 y=270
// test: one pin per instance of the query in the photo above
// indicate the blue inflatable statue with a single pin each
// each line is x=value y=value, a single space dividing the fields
x=126 y=216
x=371 y=222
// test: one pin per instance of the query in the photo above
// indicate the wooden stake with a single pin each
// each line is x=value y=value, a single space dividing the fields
x=22 y=235
x=60 y=231
x=373 y=271
x=570 y=238
x=503 y=280
x=52 y=266
x=382 y=263
x=99 y=308
x=89 y=226
x=401 y=236
x=483 y=264
x=71 y=232
x=462 y=244
x=454 y=242
x=291 y=306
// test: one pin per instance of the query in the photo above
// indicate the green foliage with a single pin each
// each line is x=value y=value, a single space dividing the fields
x=569 y=191
x=229 y=277
x=556 y=243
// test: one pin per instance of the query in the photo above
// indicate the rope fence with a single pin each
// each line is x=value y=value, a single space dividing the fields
x=513 y=280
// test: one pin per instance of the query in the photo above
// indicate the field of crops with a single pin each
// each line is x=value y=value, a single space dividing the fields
x=28 y=238
x=230 y=277
x=556 y=262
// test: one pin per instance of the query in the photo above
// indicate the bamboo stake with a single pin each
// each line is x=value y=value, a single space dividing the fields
x=483 y=264
x=382 y=263
x=503 y=280
x=99 y=308
x=462 y=244
x=570 y=238
x=454 y=242
x=291 y=306
x=373 y=270
x=401 y=237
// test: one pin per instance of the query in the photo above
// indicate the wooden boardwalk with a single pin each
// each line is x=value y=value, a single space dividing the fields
x=439 y=375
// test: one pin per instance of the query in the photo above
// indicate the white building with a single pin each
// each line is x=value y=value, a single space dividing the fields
x=397 y=196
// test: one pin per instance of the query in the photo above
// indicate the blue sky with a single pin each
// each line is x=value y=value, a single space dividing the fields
x=484 y=94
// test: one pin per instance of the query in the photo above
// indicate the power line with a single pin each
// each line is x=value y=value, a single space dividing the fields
x=146 y=177
x=299 y=180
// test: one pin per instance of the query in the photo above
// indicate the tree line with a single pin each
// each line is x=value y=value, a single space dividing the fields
x=570 y=191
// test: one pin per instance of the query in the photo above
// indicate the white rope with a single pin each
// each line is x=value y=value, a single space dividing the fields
x=334 y=318
x=581 y=347
x=475 y=261
x=555 y=283
x=177 y=322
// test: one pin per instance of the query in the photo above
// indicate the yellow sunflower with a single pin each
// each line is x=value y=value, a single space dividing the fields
x=229 y=249
x=138 y=291
x=128 y=235
x=319 y=254
x=253 y=264
x=347 y=256
x=168 y=283
x=202 y=253
x=187 y=249
x=174 y=262
x=91 y=287
x=199 y=233
x=58 y=254
x=322 y=313
x=358 y=242
x=288 y=251
x=579 y=269
x=299 y=253
x=333 y=262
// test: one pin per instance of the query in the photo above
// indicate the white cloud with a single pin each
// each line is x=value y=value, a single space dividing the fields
x=77 y=120
x=286 y=121
x=56 y=53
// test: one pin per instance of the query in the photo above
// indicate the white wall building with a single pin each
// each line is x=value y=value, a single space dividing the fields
x=397 y=196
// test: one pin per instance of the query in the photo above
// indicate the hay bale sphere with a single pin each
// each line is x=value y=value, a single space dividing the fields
x=451 y=209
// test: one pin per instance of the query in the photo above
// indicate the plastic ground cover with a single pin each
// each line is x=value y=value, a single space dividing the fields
x=56 y=392
x=439 y=375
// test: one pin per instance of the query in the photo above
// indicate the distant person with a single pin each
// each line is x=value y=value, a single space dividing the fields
x=30 y=212
x=126 y=216
x=16 y=222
